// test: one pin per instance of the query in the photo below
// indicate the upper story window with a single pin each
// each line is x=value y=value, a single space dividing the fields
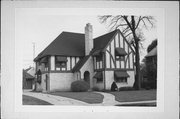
x=98 y=55
x=99 y=58
x=60 y=62
x=120 y=54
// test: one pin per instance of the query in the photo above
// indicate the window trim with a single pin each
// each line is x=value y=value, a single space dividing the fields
x=120 y=80
x=58 y=64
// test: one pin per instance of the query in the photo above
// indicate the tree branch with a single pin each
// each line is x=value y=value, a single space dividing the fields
x=138 y=22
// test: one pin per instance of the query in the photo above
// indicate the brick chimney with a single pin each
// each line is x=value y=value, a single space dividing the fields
x=88 y=38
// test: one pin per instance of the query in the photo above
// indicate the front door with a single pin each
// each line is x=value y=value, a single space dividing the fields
x=87 y=77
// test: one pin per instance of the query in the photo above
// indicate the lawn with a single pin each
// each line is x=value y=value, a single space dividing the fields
x=28 y=100
x=131 y=96
x=139 y=104
x=88 y=97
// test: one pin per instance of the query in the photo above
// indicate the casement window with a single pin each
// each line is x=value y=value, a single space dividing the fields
x=120 y=58
x=120 y=54
x=121 y=80
x=60 y=62
x=99 y=77
x=121 y=76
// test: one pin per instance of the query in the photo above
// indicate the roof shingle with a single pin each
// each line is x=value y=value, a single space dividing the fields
x=66 y=44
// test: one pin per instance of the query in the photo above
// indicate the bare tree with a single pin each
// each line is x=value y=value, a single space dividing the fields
x=131 y=27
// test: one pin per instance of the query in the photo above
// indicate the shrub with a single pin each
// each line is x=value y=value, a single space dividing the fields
x=126 y=88
x=79 y=86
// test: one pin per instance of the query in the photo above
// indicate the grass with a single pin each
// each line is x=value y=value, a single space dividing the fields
x=88 y=97
x=139 y=104
x=28 y=100
x=131 y=96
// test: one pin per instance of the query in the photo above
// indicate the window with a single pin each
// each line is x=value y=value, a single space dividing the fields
x=120 y=54
x=120 y=58
x=61 y=62
x=99 y=58
x=60 y=65
x=121 y=80
x=121 y=76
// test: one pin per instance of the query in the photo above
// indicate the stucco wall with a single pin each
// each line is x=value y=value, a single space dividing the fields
x=61 y=81
x=110 y=78
x=88 y=66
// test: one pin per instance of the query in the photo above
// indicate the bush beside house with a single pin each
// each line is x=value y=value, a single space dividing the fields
x=79 y=86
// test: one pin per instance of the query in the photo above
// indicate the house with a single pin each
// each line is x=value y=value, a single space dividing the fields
x=151 y=67
x=76 y=56
x=28 y=79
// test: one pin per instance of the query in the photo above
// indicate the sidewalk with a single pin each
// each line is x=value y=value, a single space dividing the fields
x=109 y=99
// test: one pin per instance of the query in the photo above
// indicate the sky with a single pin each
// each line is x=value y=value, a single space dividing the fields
x=42 y=29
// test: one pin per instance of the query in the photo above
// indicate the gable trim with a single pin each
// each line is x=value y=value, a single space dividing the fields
x=126 y=40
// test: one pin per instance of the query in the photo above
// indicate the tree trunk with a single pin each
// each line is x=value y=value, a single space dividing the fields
x=137 y=83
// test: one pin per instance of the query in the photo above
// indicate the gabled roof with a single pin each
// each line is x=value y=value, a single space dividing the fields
x=153 y=52
x=27 y=69
x=66 y=44
x=27 y=75
x=102 y=41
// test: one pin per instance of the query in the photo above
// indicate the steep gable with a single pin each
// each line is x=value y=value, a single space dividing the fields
x=102 y=41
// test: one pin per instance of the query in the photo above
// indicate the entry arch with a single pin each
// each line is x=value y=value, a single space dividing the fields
x=87 y=77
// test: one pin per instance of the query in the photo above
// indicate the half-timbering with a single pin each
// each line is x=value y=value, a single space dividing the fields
x=100 y=61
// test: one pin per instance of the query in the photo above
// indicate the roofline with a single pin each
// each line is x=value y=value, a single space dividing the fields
x=126 y=40
x=110 y=41
x=38 y=56
x=117 y=30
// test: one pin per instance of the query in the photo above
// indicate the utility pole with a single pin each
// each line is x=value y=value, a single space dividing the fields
x=33 y=49
x=33 y=53
x=34 y=87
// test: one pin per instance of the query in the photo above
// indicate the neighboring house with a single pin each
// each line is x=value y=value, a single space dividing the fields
x=31 y=71
x=28 y=80
x=75 y=56
x=151 y=67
